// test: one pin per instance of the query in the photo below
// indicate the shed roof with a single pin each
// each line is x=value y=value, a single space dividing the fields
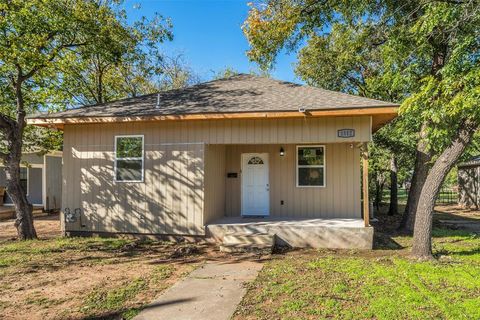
x=240 y=94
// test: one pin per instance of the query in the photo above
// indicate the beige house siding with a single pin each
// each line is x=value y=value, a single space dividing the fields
x=340 y=198
x=179 y=154
x=267 y=131
x=214 y=182
x=53 y=183
x=169 y=201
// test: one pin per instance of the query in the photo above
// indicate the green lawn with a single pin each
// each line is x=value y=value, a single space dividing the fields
x=102 y=278
x=381 y=284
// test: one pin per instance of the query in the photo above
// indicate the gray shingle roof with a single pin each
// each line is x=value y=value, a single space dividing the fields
x=237 y=94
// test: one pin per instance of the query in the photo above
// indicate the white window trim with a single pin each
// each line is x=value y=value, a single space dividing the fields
x=142 y=158
x=44 y=182
x=27 y=192
x=324 y=166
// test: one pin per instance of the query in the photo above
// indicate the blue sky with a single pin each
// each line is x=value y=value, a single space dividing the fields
x=208 y=33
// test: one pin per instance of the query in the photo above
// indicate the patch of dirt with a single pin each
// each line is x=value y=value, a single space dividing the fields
x=57 y=284
x=456 y=218
x=59 y=292
x=454 y=212
x=185 y=251
x=466 y=219
x=47 y=227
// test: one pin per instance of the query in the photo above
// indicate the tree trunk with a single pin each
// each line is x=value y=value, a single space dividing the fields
x=378 y=194
x=420 y=173
x=423 y=155
x=393 y=210
x=422 y=236
x=23 y=209
x=379 y=186
x=13 y=132
x=100 y=88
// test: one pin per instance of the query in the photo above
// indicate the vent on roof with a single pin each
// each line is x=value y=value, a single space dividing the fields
x=158 y=101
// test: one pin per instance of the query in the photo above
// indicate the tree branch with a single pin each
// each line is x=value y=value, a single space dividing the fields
x=6 y=123
x=55 y=53
x=451 y=1
x=3 y=157
x=310 y=7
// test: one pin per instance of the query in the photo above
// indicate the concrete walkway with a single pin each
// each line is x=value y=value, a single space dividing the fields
x=211 y=292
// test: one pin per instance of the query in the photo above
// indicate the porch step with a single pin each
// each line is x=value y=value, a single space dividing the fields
x=240 y=242
x=238 y=248
x=249 y=238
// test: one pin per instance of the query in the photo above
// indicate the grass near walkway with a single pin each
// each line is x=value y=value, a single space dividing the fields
x=381 y=284
x=85 y=278
x=101 y=278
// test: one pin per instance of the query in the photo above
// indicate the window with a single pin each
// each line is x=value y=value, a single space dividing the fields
x=255 y=160
x=129 y=159
x=310 y=166
x=24 y=179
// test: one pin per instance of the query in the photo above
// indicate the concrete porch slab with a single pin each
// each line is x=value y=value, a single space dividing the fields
x=299 y=233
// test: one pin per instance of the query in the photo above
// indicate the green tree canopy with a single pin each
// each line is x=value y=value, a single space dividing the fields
x=357 y=46
x=422 y=53
x=44 y=46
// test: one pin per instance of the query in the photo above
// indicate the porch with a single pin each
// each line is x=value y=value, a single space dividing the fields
x=335 y=233
x=304 y=195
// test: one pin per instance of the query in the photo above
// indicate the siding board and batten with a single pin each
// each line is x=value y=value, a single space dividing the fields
x=169 y=201
x=320 y=130
x=215 y=161
x=186 y=162
x=53 y=176
x=340 y=198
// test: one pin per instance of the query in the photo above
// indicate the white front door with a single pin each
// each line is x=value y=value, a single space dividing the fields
x=255 y=185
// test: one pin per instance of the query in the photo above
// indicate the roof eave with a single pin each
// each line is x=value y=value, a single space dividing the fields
x=380 y=116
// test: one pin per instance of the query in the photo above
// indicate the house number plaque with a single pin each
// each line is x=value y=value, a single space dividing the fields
x=346 y=133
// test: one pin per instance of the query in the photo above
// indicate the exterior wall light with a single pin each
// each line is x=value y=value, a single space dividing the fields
x=282 y=152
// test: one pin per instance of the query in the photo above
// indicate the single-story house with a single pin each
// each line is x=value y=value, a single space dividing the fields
x=41 y=177
x=243 y=155
x=469 y=183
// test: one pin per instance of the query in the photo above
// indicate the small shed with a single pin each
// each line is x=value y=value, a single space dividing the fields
x=41 y=177
x=469 y=183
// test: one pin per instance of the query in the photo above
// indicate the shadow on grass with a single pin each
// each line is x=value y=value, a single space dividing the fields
x=461 y=253
x=56 y=254
x=210 y=252
x=446 y=232
x=119 y=314
x=384 y=241
x=387 y=236
x=474 y=251
x=456 y=213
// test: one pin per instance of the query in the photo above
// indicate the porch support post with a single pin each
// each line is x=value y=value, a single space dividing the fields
x=366 y=198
